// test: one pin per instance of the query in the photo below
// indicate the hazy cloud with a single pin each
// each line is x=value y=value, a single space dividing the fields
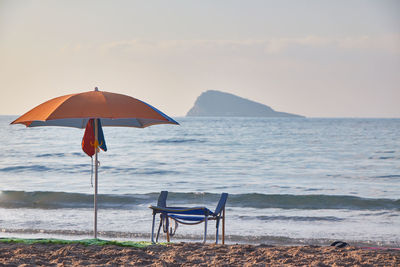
x=389 y=43
x=384 y=43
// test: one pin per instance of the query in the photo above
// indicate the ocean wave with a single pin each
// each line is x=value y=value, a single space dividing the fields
x=314 y=202
x=389 y=176
x=85 y=168
x=177 y=141
x=384 y=157
x=293 y=218
x=137 y=171
x=56 y=200
x=19 y=168
x=59 y=155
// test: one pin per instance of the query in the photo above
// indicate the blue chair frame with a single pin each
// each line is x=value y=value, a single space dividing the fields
x=188 y=216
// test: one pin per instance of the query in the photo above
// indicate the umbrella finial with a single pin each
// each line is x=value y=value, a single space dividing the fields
x=96 y=89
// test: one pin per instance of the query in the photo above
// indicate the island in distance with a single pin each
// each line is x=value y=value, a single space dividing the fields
x=214 y=103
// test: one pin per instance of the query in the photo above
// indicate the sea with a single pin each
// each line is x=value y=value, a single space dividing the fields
x=289 y=180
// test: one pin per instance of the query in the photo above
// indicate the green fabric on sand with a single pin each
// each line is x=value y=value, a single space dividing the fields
x=86 y=242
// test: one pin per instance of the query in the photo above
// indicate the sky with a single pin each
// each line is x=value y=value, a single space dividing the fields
x=315 y=58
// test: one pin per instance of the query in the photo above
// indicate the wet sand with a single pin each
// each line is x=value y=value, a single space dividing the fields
x=193 y=254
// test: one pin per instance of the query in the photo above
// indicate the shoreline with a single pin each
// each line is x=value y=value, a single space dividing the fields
x=229 y=239
x=193 y=254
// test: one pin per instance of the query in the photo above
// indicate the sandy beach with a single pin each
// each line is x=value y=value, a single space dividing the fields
x=193 y=254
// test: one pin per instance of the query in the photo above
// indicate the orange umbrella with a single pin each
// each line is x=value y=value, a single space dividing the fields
x=75 y=110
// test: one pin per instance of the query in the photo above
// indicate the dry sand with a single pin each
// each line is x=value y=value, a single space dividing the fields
x=193 y=254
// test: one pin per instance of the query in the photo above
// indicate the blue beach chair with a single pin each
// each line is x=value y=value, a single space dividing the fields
x=188 y=216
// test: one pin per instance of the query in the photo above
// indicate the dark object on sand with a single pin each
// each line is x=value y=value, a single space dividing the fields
x=339 y=244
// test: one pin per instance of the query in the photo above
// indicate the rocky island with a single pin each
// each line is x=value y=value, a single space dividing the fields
x=214 y=103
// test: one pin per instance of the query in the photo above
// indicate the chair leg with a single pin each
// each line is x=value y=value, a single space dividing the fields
x=223 y=226
x=152 y=228
x=159 y=228
x=205 y=230
x=216 y=231
x=167 y=226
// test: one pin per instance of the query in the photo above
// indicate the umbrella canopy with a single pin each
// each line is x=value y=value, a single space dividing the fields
x=98 y=108
x=75 y=110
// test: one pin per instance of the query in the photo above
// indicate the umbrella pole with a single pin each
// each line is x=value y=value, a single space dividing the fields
x=96 y=165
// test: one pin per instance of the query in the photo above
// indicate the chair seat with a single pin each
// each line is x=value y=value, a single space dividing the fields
x=183 y=210
x=188 y=218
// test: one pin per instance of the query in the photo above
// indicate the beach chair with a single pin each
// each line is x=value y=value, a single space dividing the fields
x=188 y=216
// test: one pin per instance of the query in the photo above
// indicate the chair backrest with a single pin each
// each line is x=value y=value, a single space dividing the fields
x=221 y=203
x=162 y=199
